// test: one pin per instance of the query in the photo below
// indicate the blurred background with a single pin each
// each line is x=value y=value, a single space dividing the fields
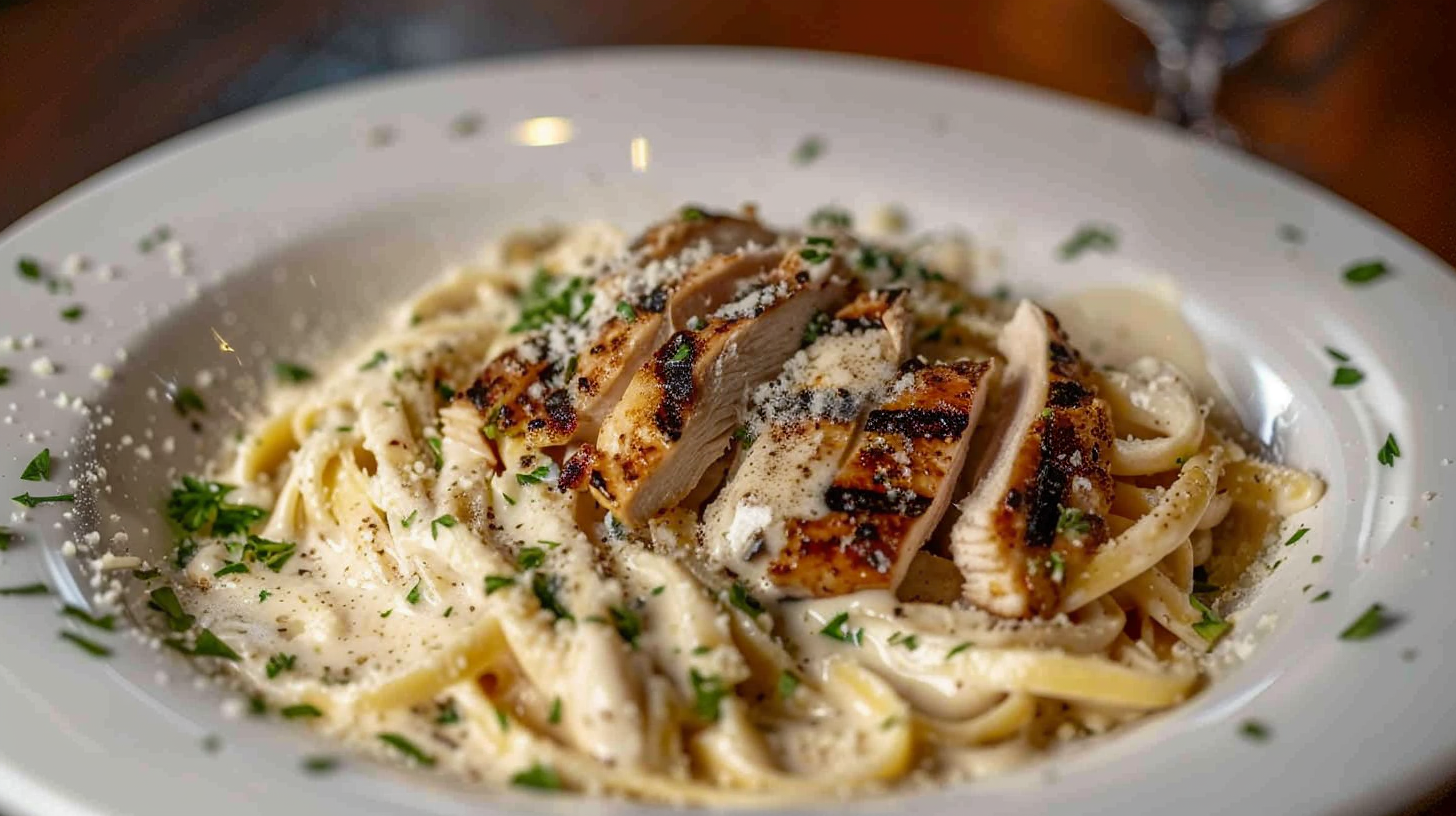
x=1358 y=96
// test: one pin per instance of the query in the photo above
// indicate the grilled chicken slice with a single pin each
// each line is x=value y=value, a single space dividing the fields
x=802 y=426
x=1039 y=506
x=556 y=385
x=678 y=410
x=892 y=489
x=725 y=233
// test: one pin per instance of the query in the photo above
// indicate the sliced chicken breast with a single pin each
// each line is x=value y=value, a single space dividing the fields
x=893 y=488
x=802 y=426
x=557 y=384
x=1039 y=506
x=676 y=414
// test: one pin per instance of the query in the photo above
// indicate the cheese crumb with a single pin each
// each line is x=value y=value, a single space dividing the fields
x=102 y=373
x=42 y=367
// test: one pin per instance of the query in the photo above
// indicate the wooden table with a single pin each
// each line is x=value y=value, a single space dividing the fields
x=1358 y=95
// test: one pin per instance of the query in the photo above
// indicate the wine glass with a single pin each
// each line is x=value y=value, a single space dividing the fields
x=1196 y=40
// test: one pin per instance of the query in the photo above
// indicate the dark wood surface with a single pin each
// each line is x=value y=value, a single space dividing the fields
x=1358 y=95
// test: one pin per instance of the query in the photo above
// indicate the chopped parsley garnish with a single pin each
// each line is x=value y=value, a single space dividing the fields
x=835 y=630
x=550 y=545
x=502 y=720
x=538 y=777
x=1345 y=377
x=91 y=647
x=740 y=599
x=1298 y=534
x=198 y=507
x=545 y=300
x=810 y=149
x=494 y=583
x=466 y=124
x=696 y=323
x=626 y=312
x=186 y=401
x=264 y=595
x=708 y=694
x=210 y=645
x=1211 y=627
x=230 y=569
x=26 y=589
x=410 y=519
x=376 y=361
x=691 y=213
x=164 y=600
x=447 y=521
x=1254 y=730
x=1073 y=522
x=814 y=255
x=530 y=558
x=386 y=613
x=71 y=314
x=910 y=642
x=658 y=590
x=320 y=764
x=6 y=536
x=787 y=685
x=1371 y=622
x=1364 y=272
x=627 y=622
x=1389 y=452
x=280 y=663
x=39 y=469
x=1088 y=237
x=831 y=217
x=448 y=611
x=186 y=549
x=105 y=622
x=409 y=749
x=28 y=268
x=817 y=326
x=448 y=715
x=1057 y=566
x=291 y=372
x=544 y=587
x=27 y=500
x=1337 y=354
x=743 y=436
x=536 y=476
x=4 y=375
x=437 y=448
x=1323 y=596
x=555 y=716
x=958 y=648
x=413 y=596
x=444 y=391
x=1315 y=559
x=301 y=710
x=684 y=348
x=272 y=554
x=510 y=501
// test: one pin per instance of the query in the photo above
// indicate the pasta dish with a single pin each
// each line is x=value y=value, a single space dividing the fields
x=726 y=514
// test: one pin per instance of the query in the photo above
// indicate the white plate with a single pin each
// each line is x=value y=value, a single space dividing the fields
x=297 y=222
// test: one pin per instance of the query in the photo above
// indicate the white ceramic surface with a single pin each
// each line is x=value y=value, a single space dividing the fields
x=302 y=229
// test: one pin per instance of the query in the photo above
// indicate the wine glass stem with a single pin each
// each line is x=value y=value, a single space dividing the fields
x=1189 y=72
